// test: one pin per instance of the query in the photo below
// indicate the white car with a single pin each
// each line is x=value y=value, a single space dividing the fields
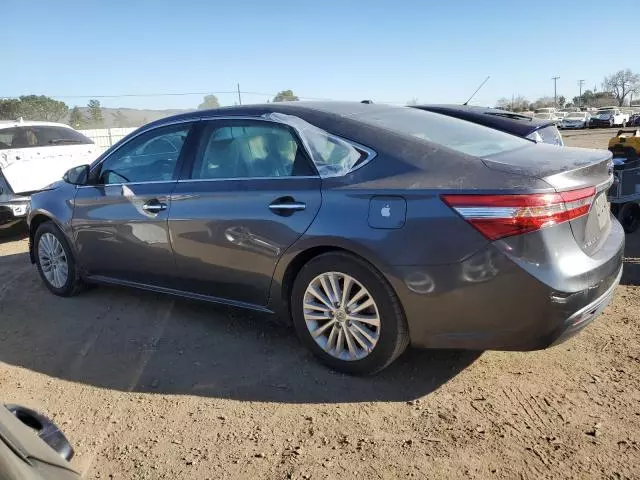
x=576 y=120
x=551 y=110
x=609 y=117
x=34 y=155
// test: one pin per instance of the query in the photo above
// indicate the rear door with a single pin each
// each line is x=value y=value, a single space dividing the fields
x=120 y=221
x=249 y=194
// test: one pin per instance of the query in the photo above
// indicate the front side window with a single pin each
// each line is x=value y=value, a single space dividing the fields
x=245 y=149
x=32 y=136
x=150 y=157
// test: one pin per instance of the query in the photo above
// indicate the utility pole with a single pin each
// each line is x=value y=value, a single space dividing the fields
x=239 y=96
x=555 y=90
x=580 y=83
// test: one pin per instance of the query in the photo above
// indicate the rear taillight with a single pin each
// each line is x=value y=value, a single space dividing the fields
x=499 y=216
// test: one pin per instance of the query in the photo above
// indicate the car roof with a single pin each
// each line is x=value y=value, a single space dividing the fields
x=510 y=122
x=24 y=123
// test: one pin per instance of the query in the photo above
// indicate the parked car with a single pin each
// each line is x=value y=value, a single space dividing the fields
x=576 y=120
x=634 y=120
x=32 y=447
x=609 y=117
x=538 y=130
x=368 y=226
x=33 y=155
x=551 y=110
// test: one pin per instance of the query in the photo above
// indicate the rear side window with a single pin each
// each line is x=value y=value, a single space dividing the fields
x=40 y=136
x=460 y=135
x=550 y=135
x=246 y=149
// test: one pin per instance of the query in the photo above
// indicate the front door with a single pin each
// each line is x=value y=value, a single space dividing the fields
x=249 y=194
x=120 y=221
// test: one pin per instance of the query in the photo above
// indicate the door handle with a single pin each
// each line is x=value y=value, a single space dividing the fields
x=154 y=206
x=281 y=207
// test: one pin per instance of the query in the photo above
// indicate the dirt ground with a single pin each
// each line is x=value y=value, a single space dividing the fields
x=151 y=387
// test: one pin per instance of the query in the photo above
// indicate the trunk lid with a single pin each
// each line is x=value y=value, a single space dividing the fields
x=30 y=169
x=566 y=168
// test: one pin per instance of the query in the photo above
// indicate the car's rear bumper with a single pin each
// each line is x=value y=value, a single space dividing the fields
x=490 y=302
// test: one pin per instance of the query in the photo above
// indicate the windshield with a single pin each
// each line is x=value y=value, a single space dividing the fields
x=459 y=135
x=606 y=110
x=32 y=136
x=575 y=115
x=544 y=116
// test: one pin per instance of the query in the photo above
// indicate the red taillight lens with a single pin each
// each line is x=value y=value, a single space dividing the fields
x=499 y=216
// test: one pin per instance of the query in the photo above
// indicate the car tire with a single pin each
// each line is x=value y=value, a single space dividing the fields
x=372 y=351
x=54 y=257
x=629 y=216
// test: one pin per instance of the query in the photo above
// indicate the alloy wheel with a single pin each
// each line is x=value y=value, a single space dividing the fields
x=341 y=316
x=53 y=260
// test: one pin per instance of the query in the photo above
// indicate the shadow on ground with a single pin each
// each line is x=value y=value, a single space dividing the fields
x=136 y=341
x=16 y=232
x=631 y=273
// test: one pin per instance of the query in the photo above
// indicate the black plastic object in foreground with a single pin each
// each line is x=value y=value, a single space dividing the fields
x=45 y=429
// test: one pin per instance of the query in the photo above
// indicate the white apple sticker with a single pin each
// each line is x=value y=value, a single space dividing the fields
x=385 y=211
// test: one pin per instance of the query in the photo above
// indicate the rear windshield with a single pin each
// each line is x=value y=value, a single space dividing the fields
x=40 y=136
x=460 y=135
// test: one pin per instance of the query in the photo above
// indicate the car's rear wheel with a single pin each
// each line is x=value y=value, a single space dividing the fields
x=629 y=216
x=55 y=261
x=347 y=314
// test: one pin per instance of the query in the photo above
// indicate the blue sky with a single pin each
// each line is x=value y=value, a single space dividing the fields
x=388 y=51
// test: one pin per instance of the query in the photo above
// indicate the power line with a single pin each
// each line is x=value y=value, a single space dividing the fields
x=174 y=94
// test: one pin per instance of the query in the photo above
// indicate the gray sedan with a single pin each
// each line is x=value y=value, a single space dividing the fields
x=367 y=226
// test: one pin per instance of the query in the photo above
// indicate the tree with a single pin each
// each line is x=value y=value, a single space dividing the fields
x=120 y=119
x=76 y=119
x=561 y=101
x=591 y=98
x=209 y=101
x=515 y=104
x=33 y=107
x=285 y=96
x=621 y=84
x=9 y=109
x=543 y=102
x=95 y=113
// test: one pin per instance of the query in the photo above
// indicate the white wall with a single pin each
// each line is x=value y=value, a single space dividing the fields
x=105 y=137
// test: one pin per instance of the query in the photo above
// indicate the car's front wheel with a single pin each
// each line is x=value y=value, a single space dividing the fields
x=55 y=261
x=347 y=314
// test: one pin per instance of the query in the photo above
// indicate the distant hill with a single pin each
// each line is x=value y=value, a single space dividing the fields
x=132 y=116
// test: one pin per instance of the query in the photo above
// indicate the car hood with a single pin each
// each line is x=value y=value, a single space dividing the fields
x=31 y=169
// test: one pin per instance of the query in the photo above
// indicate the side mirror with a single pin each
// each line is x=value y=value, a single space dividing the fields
x=77 y=175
